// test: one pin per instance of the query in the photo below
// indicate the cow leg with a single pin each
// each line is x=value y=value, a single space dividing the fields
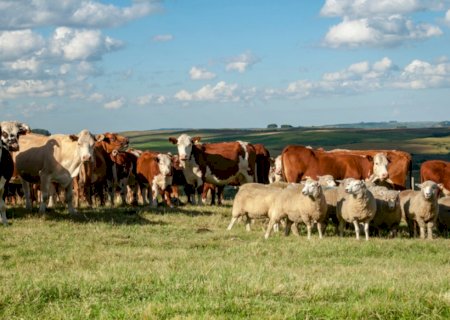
x=26 y=191
x=2 y=201
x=220 y=190
x=45 y=185
x=69 y=198
x=154 y=190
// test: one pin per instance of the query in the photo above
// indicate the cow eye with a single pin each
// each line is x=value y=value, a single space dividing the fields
x=4 y=135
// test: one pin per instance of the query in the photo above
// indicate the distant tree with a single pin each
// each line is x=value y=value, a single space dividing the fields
x=272 y=126
x=285 y=126
x=41 y=131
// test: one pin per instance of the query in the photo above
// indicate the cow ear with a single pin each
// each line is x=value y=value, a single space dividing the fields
x=73 y=137
x=196 y=139
x=114 y=153
x=173 y=140
x=370 y=158
x=100 y=137
x=23 y=128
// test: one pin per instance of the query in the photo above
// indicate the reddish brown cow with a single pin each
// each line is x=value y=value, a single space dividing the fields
x=400 y=164
x=262 y=163
x=299 y=162
x=217 y=163
x=155 y=170
x=437 y=171
x=99 y=172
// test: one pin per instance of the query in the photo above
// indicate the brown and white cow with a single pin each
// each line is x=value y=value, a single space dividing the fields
x=155 y=169
x=437 y=171
x=217 y=163
x=400 y=164
x=56 y=158
x=96 y=175
x=299 y=162
x=125 y=172
x=9 y=140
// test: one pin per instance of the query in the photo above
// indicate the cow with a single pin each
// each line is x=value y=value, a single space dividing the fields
x=262 y=163
x=125 y=172
x=155 y=170
x=276 y=170
x=9 y=139
x=437 y=171
x=98 y=173
x=220 y=163
x=400 y=164
x=56 y=158
x=299 y=162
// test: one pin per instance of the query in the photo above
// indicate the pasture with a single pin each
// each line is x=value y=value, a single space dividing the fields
x=181 y=263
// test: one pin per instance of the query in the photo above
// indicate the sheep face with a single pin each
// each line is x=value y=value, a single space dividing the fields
x=355 y=187
x=392 y=199
x=429 y=189
x=311 y=188
x=327 y=180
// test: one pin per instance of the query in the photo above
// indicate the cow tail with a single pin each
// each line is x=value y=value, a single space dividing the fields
x=410 y=173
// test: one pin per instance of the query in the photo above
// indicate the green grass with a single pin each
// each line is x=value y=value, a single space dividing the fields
x=182 y=264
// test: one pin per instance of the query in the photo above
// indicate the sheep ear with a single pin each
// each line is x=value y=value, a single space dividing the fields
x=441 y=186
x=418 y=185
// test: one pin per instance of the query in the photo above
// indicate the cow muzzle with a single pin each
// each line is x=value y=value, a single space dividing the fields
x=86 y=158
x=13 y=146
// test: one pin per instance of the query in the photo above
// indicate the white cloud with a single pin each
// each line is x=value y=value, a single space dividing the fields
x=201 y=74
x=220 y=92
x=30 y=65
x=150 y=99
x=447 y=17
x=16 y=44
x=115 y=104
x=242 y=62
x=74 y=44
x=377 y=23
x=25 y=14
x=10 y=89
x=163 y=38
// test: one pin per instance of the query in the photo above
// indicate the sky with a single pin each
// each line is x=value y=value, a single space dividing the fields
x=142 y=65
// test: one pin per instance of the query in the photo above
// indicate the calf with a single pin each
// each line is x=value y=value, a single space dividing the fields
x=155 y=169
x=10 y=132
x=125 y=173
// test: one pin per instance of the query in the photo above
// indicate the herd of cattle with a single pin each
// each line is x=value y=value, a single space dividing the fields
x=87 y=167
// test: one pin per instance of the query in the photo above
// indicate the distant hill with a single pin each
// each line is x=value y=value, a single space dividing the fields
x=390 y=125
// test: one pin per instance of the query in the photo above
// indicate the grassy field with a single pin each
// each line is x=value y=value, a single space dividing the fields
x=182 y=264
x=142 y=263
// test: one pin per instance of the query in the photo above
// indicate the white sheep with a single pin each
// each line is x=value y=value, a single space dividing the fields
x=388 y=213
x=253 y=200
x=421 y=208
x=444 y=215
x=299 y=204
x=357 y=206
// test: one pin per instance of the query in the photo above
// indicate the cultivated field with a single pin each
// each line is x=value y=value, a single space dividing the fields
x=144 y=263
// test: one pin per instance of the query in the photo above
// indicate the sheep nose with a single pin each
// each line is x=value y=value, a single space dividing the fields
x=86 y=157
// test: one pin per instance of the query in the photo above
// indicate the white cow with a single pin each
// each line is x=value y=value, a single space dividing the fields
x=56 y=158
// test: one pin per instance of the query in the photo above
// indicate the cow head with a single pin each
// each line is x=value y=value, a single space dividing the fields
x=312 y=188
x=10 y=132
x=380 y=164
x=85 y=144
x=184 y=144
x=164 y=164
x=429 y=189
x=112 y=141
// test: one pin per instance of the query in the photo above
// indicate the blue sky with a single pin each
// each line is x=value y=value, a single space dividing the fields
x=139 y=65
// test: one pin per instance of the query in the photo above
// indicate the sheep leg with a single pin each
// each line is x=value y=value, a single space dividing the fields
x=276 y=227
x=341 y=228
x=366 y=230
x=430 y=230
x=269 y=228
x=288 y=227
x=294 y=229
x=233 y=220
x=319 y=228
x=422 y=229
x=308 y=229
x=247 y=224
x=356 y=224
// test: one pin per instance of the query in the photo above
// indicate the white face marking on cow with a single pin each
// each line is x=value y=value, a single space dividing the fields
x=10 y=132
x=311 y=188
x=355 y=186
x=278 y=165
x=85 y=145
x=184 y=146
x=380 y=164
x=428 y=189
x=165 y=164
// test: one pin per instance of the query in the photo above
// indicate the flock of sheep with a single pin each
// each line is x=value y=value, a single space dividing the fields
x=356 y=202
